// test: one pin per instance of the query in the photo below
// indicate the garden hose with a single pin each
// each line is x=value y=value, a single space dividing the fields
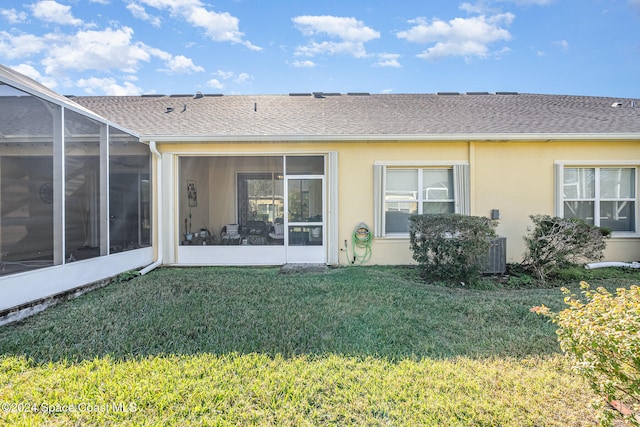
x=361 y=241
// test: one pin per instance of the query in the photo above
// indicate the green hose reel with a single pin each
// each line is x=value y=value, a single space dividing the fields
x=361 y=240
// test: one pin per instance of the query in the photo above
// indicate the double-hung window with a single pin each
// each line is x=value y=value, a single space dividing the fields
x=404 y=191
x=602 y=196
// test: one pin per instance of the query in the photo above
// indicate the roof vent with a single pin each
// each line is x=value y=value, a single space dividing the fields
x=318 y=95
x=179 y=96
x=506 y=93
x=616 y=104
x=198 y=95
x=169 y=110
x=299 y=94
x=448 y=93
x=358 y=93
x=477 y=93
x=152 y=95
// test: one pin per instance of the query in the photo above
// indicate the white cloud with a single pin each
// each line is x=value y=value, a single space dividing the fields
x=29 y=71
x=181 y=65
x=563 y=44
x=388 y=60
x=332 y=48
x=110 y=49
x=108 y=86
x=500 y=53
x=242 y=78
x=466 y=37
x=224 y=74
x=220 y=27
x=139 y=12
x=480 y=7
x=529 y=2
x=163 y=4
x=103 y=51
x=351 y=35
x=13 y=16
x=157 y=53
x=467 y=49
x=215 y=83
x=335 y=26
x=58 y=55
x=303 y=64
x=20 y=46
x=230 y=75
x=54 y=12
x=493 y=6
x=95 y=50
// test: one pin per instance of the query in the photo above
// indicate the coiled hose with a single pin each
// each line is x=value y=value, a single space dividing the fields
x=361 y=240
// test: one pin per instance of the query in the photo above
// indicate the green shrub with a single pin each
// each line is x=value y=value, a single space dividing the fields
x=449 y=247
x=556 y=243
x=522 y=281
x=602 y=337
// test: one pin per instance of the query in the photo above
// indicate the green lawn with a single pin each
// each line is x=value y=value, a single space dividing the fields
x=244 y=346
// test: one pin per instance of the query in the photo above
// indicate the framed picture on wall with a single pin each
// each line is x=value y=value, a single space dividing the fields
x=192 y=193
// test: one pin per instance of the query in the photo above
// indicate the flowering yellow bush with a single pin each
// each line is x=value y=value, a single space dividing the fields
x=602 y=336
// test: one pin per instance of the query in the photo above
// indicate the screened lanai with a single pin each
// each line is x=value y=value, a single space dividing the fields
x=251 y=209
x=74 y=193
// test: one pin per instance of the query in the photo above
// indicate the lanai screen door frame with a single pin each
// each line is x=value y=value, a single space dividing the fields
x=304 y=251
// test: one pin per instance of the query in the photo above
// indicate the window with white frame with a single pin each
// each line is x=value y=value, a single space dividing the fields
x=602 y=196
x=404 y=191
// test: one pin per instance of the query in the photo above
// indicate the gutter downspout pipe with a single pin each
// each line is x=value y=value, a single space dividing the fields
x=158 y=261
x=612 y=264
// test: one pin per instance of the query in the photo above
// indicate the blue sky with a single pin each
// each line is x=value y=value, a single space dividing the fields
x=133 y=47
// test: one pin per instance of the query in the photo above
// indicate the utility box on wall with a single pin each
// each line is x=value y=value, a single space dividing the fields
x=496 y=260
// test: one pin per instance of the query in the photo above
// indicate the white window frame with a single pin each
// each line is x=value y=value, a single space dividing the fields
x=461 y=189
x=560 y=167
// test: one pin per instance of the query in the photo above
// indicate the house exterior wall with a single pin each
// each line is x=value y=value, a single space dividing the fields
x=516 y=177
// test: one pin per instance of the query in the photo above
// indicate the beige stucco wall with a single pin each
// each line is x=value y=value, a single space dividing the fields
x=516 y=177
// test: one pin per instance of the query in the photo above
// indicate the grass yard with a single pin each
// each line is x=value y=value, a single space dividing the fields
x=250 y=346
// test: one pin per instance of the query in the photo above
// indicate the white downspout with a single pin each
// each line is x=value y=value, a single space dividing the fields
x=158 y=261
x=605 y=264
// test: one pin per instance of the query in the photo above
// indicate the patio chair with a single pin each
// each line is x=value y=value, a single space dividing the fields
x=277 y=233
x=256 y=232
x=231 y=234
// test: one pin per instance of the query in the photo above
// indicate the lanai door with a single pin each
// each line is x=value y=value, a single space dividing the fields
x=305 y=216
x=305 y=236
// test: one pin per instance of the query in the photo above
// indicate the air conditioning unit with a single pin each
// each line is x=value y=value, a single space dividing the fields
x=495 y=261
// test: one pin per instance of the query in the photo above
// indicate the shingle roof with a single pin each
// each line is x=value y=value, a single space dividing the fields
x=367 y=115
x=22 y=82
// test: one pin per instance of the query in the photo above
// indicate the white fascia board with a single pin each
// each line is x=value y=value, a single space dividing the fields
x=395 y=137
